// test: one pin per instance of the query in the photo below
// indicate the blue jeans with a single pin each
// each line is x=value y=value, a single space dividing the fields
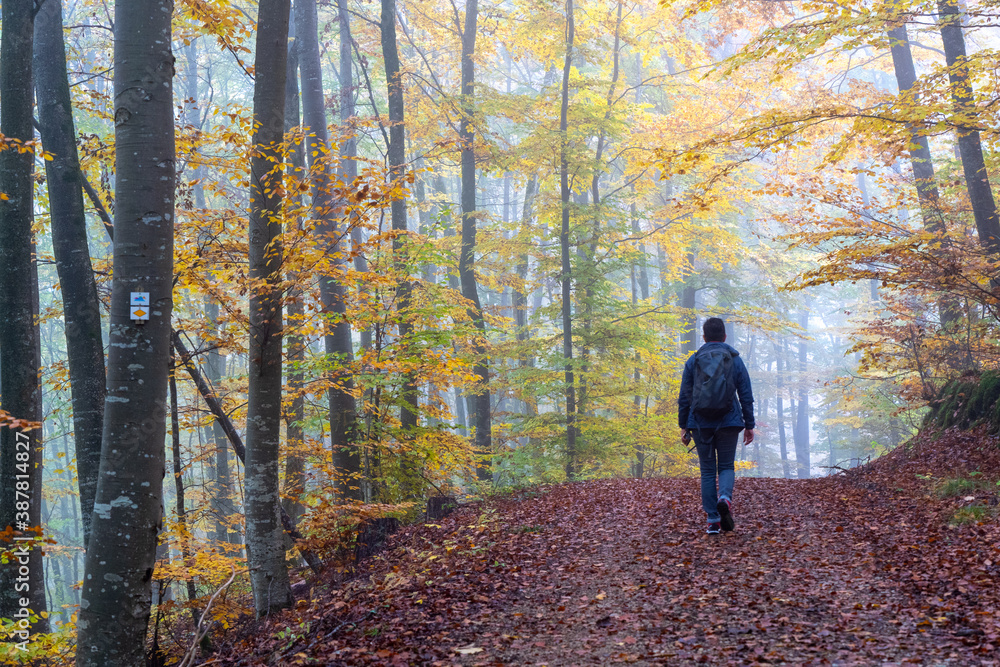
x=716 y=454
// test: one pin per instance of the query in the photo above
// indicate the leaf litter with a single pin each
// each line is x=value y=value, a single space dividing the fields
x=861 y=568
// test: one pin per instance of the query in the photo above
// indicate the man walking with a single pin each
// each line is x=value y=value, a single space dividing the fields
x=715 y=404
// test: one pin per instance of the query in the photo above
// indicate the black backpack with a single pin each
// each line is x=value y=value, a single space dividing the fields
x=714 y=384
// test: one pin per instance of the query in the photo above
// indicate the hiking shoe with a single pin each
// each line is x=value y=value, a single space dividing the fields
x=714 y=528
x=725 y=515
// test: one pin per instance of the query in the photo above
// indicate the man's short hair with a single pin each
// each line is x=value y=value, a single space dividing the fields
x=714 y=330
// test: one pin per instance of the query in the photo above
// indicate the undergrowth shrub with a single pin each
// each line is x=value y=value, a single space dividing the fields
x=331 y=527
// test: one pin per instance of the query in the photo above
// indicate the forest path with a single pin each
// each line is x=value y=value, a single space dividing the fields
x=825 y=571
x=627 y=575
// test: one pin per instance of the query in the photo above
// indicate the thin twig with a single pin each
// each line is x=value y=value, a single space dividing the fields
x=201 y=630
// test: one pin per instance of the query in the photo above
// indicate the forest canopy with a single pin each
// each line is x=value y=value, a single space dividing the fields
x=321 y=261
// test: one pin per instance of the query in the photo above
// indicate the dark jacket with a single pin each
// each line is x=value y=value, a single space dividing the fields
x=741 y=414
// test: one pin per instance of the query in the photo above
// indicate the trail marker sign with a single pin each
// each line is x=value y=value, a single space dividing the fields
x=139 y=306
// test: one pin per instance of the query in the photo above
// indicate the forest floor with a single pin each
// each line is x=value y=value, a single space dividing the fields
x=862 y=568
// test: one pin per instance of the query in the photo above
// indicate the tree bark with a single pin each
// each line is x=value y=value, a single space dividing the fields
x=564 y=246
x=520 y=294
x=265 y=541
x=184 y=536
x=20 y=345
x=801 y=434
x=479 y=411
x=222 y=492
x=294 y=435
x=81 y=308
x=977 y=180
x=326 y=209
x=920 y=159
x=779 y=355
x=397 y=172
x=114 y=608
x=919 y=147
x=349 y=147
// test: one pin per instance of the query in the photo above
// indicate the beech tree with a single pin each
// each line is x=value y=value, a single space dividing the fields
x=977 y=180
x=264 y=533
x=919 y=150
x=801 y=433
x=396 y=155
x=114 y=609
x=479 y=397
x=296 y=349
x=20 y=354
x=81 y=309
x=325 y=209
x=566 y=277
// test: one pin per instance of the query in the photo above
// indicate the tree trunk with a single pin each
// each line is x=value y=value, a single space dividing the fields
x=264 y=535
x=184 y=536
x=688 y=301
x=640 y=449
x=349 y=148
x=920 y=158
x=479 y=406
x=326 y=209
x=977 y=180
x=222 y=494
x=520 y=294
x=114 y=608
x=519 y=298
x=801 y=434
x=20 y=351
x=919 y=147
x=81 y=308
x=779 y=355
x=397 y=172
x=295 y=457
x=564 y=246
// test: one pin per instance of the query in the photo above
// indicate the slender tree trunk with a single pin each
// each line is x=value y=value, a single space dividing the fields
x=20 y=344
x=919 y=147
x=640 y=450
x=801 y=435
x=640 y=290
x=222 y=493
x=688 y=302
x=427 y=270
x=397 y=172
x=762 y=418
x=295 y=457
x=564 y=245
x=81 y=309
x=327 y=209
x=264 y=535
x=588 y=268
x=461 y=419
x=920 y=158
x=183 y=531
x=114 y=608
x=866 y=202
x=479 y=405
x=349 y=147
x=779 y=355
x=520 y=293
x=970 y=147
